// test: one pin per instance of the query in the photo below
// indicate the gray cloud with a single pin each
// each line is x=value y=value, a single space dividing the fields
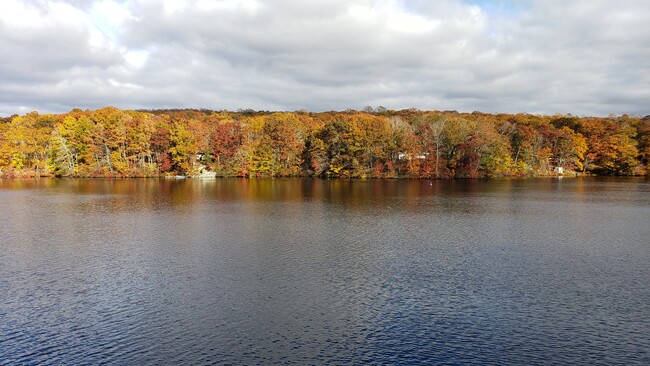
x=582 y=57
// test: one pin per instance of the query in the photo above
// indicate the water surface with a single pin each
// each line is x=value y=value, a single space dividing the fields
x=539 y=271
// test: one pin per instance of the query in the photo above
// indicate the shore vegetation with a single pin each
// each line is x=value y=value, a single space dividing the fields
x=373 y=143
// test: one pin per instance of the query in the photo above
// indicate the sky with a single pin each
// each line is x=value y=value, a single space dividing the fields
x=583 y=57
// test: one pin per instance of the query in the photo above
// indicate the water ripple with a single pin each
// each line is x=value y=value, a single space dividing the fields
x=226 y=272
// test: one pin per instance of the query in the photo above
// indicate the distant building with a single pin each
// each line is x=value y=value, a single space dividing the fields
x=405 y=156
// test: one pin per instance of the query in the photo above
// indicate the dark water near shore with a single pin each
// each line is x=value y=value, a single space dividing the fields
x=540 y=271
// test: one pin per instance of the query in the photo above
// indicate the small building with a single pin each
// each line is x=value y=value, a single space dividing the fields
x=405 y=156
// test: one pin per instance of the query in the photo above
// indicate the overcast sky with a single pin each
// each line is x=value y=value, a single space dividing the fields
x=584 y=57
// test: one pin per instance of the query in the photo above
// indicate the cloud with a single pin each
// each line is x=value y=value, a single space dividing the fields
x=582 y=57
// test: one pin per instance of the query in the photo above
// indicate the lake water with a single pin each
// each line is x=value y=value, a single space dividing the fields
x=532 y=271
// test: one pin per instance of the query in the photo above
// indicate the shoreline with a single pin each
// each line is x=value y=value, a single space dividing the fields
x=203 y=177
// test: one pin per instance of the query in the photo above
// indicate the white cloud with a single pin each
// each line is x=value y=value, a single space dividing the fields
x=581 y=57
x=136 y=58
x=108 y=15
x=212 y=5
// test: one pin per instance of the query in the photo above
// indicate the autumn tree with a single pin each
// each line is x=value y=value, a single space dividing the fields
x=159 y=141
x=286 y=141
x=569 y=148
x=643 y=135
x=431 y=129
x=24 y=143
x=408 y=143
x=182 y=148
x=611 y=146
x=226 y=141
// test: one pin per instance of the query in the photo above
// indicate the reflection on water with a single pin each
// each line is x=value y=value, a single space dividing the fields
x=315 y=271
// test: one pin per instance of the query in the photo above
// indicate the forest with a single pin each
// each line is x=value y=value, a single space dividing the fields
x=373 y=143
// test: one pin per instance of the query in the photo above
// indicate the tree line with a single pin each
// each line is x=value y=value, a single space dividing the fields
x=381 y=143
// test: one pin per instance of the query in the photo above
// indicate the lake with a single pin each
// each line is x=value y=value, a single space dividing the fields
x=306 y=271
